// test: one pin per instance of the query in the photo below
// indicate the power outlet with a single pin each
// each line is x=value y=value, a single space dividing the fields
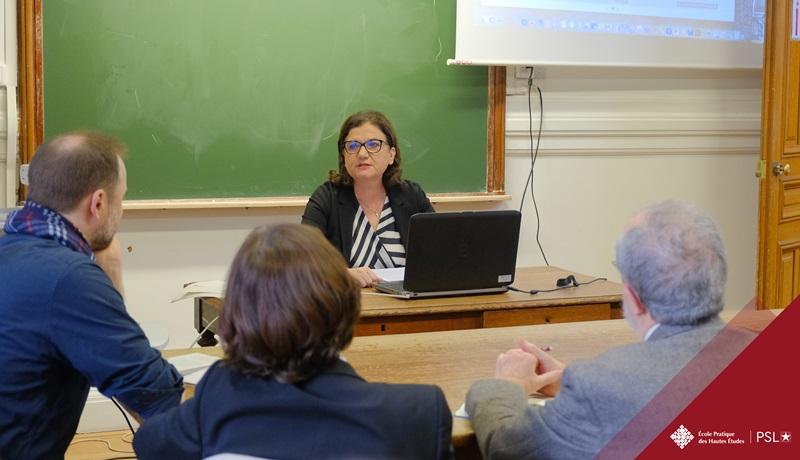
x=522 y=72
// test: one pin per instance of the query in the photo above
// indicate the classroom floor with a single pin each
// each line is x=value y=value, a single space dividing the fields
x=101 y=446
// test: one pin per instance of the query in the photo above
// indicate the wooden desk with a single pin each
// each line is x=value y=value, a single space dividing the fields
x=387 y=315
x=450 y=359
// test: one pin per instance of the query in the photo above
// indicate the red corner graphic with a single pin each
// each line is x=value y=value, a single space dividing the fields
x=738 y=398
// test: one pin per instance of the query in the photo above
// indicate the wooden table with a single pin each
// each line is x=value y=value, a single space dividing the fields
x=381 y=314
x=455 y=359
x=450 y=359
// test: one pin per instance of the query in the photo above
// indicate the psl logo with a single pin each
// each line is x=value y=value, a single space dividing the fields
x=773 y=437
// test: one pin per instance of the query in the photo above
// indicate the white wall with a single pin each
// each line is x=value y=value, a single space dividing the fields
x=8 y=101
x=6 y=24
x=614 y=140
x=618 y=139
x=3 y=148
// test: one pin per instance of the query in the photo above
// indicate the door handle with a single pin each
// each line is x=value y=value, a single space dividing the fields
x=779 y=169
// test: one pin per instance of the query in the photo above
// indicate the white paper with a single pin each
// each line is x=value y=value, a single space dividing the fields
x=189 y=363
x=461 y=412
x=215 y=288
x=194 y=377
x=390 y=274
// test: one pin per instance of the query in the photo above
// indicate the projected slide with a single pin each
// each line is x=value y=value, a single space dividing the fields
x=710 y=10
x=735 y=20
x=659 y=33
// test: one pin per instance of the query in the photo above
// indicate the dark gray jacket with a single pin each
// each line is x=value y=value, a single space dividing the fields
x=600 y=396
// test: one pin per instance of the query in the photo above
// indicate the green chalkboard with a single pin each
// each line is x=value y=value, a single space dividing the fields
x=244 y=98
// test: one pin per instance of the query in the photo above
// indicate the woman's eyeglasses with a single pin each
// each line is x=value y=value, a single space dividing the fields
x=372 y=146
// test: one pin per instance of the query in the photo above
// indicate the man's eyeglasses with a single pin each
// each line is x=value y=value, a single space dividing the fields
x=372 y=146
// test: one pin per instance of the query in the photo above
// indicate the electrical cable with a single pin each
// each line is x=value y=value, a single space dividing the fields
x=534 y=155
x=536 y=291
x=114 y=400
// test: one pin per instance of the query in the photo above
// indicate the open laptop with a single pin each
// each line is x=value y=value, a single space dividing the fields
x=458 y=253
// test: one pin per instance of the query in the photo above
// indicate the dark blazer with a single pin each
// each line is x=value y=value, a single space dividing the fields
x=336 y=414
x=332 y=209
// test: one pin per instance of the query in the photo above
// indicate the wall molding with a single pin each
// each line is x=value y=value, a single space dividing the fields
x=643 y=133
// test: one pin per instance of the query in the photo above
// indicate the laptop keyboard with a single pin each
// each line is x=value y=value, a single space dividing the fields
x=395 y=285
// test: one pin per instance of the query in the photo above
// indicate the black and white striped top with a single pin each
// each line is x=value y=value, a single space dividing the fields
x=380 y=248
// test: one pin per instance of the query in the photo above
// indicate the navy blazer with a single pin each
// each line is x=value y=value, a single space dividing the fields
x=335 y=414
x=332 y=209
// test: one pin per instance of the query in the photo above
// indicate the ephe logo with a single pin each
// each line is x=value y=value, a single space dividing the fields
x=682 y=437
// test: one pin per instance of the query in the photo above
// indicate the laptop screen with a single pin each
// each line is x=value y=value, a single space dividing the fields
x=461 y=250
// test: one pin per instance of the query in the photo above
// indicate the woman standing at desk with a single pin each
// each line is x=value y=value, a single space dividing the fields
x=364 y=209
x=282 y=391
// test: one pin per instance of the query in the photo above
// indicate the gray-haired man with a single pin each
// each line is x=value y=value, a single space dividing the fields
x=673 y=271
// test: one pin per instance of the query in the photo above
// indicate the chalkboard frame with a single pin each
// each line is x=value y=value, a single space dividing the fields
x=32 y=128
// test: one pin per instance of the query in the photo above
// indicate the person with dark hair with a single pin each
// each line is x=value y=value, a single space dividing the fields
x=365 y=207
x=673 y=271
x=64 y=325
x=282 y=390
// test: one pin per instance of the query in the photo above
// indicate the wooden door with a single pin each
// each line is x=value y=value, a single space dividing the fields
x=778 y=279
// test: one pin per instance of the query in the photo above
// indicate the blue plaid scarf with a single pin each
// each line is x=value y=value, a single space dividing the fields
x=37 y=220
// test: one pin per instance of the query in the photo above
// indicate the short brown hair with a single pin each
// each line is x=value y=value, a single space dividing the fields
x=394 y=172
x=290 y=304
x=67 y=168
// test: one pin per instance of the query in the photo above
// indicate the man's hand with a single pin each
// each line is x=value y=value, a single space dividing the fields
x=364 y=276
x=110 y=260
x=519 y=367
x=546 y=364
